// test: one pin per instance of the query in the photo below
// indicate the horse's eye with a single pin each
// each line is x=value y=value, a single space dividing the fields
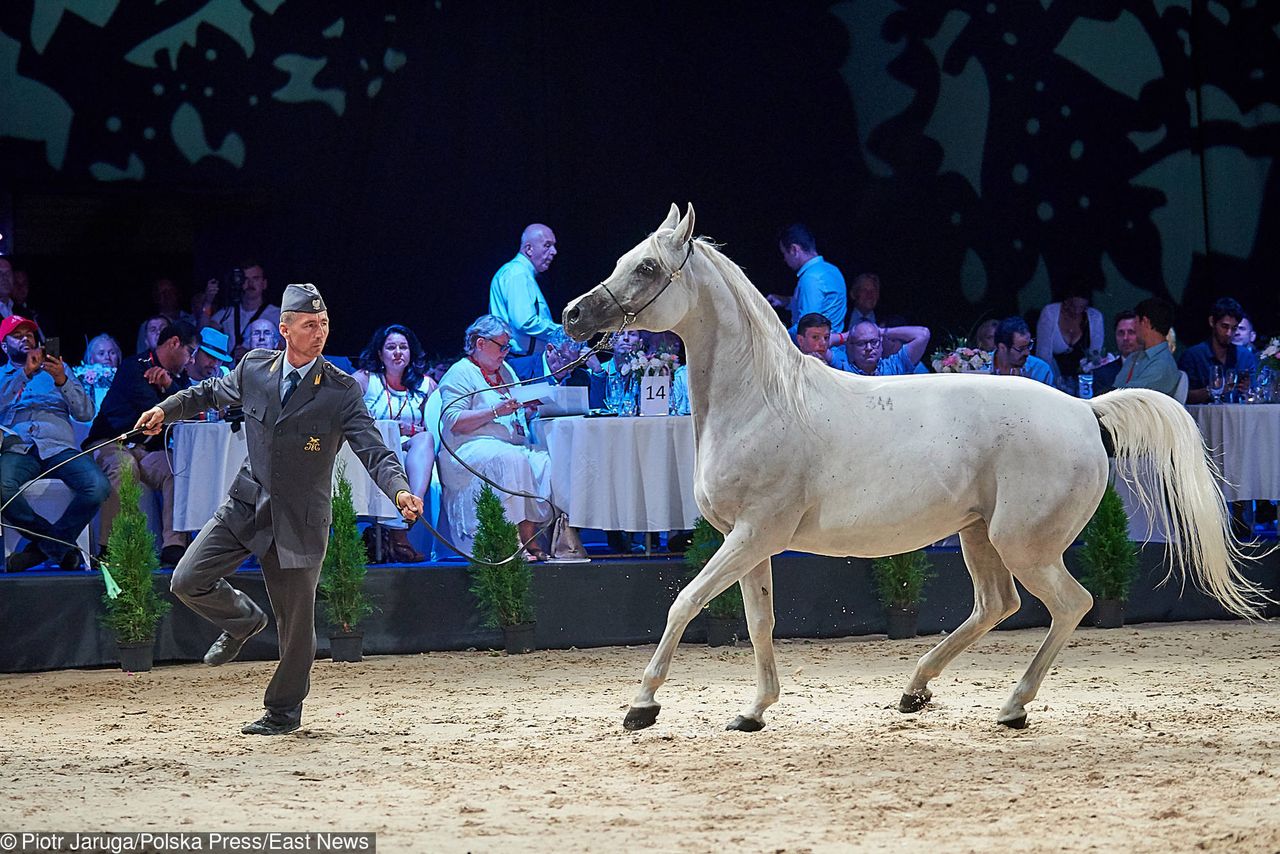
x=647 y=267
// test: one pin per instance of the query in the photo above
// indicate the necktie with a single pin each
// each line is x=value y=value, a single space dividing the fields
x=291 y=385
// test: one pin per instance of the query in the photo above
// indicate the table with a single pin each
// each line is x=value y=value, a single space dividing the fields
x=622 y=474
x=1244 y=440
x=207 y=456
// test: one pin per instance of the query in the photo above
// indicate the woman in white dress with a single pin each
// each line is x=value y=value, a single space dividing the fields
x=391 y=373
x=489 y=430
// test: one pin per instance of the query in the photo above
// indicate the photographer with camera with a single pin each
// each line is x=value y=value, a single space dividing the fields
x=38 y=399
x=245 y=303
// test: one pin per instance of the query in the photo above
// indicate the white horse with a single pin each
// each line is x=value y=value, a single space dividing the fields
x=1016 y=467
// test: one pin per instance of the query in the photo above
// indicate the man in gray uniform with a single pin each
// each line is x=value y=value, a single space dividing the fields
x=298 y=410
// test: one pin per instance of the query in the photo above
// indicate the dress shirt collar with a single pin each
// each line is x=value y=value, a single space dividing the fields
x=302 y=371
x=523 y=259
x=816 y=259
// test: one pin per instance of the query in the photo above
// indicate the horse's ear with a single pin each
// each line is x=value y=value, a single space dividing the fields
x=684 y=228
x=673 y=217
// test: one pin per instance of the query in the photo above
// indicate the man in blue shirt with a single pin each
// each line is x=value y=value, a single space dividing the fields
x=1151 y=365
x=1200 y=360
x=814 y=339
x=38 y=399
x=820 y=285
x=865 y=349
x=1013 y=352
x=516 y=299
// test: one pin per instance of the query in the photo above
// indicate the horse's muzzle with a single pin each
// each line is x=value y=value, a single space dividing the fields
x=584 y=317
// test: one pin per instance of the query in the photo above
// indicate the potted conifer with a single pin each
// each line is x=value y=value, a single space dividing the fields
x=724 y=612
x=502 y=589
x=900 y=581
x=342 y=577
x=1110 y=560
x=134 y=608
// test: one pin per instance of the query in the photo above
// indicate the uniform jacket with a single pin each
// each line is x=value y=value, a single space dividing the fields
x=285 y=489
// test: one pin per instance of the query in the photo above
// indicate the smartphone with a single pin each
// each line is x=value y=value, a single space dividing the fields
x=53 y=347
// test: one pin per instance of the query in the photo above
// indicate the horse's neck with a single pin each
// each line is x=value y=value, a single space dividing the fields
x=718 y=345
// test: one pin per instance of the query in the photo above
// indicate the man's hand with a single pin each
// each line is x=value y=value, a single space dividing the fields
x=410 y=505
x=778 y=301
x=56 y=368
x=35 y=361
x=151 y=421
x=158 y=377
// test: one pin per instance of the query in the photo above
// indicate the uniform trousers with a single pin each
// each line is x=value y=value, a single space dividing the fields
x=199 y=580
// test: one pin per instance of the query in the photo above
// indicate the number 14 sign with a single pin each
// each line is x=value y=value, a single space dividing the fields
x=655 y=392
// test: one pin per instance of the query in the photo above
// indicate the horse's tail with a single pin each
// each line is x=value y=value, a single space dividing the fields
x=1158 y=443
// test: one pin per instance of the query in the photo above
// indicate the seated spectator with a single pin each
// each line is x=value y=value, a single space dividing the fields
x=1219 y=350
x=890 y=346
x=625 y=345
x=489 y=430
x=680 y=391
x=101 y=360
x=150 y=333
x=38 y=399
x=1013 y=352
x=1245 y=334
x=389 y=371
x=864 y=296
x=866 y=347
x=560 y=353
x=813 y=337
x=1127 y=343
x=1151 y=365
x=141 y=383
x=1068 y=330
x=168 y=305
x=211 y=358
x=984 y=337
x=436 y=369
x=820 y=286
x=263 y=334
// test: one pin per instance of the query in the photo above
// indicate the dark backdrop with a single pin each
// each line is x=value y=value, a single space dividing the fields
x=978 y=155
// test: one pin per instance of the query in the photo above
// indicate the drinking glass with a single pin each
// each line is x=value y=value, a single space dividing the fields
x=1262 y=385
x=1231 y=389
x=614 y=388
x=1216 y=382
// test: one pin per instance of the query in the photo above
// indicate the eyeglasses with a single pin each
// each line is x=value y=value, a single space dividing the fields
x=1025 y=348
x=504 y=348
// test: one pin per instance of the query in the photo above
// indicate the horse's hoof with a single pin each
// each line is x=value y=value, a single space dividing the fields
x=640 y=717
x=745 y=724
x=914 y=702
x=1020 y=722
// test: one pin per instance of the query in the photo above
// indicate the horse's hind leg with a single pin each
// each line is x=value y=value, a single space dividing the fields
x=994 y=599
x=1067 y=602
x=757 y=599
x=740 y=552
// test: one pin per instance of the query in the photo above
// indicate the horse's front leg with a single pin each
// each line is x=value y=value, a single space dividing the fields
x=738 y=555
x=757 y=599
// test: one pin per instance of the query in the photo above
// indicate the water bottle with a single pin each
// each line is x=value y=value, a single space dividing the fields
x=211 y=415
x=1086 y=386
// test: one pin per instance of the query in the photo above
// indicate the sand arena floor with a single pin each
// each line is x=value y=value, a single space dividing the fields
x=1149 y=738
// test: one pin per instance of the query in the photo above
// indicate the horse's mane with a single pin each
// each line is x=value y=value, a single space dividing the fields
x=775 y=361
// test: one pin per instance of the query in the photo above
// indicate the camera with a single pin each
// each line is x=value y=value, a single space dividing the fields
x=235 y=417
x=236 y=289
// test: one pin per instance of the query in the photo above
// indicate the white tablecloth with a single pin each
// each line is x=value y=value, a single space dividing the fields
x=623 y=474
x=206 y=457
x=1245 y=441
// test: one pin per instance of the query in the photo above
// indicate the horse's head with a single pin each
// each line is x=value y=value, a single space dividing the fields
x=646 y=289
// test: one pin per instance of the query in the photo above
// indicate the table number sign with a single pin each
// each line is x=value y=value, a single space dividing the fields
x=655 y=394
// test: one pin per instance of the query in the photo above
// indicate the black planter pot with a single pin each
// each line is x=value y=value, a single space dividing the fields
x=137 y=657
x=518 y=639
x=1108 y=613
x=901 y=622
x=347 y=647
x=722 y=631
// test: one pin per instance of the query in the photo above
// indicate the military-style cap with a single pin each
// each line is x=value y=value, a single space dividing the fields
x=304 y=298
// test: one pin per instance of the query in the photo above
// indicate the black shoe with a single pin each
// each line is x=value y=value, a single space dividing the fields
x=269 y=724
x=71 y=561
x=170 y=555
x=24 y=560
x=226 y=647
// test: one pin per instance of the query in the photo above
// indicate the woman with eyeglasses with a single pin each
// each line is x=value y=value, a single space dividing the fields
x=391 y=373
x=489 y=429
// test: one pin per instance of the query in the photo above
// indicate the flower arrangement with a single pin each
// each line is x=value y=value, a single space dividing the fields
x=642 y=364
x=962 y=360
x=95 y=376
x=1269 y=357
